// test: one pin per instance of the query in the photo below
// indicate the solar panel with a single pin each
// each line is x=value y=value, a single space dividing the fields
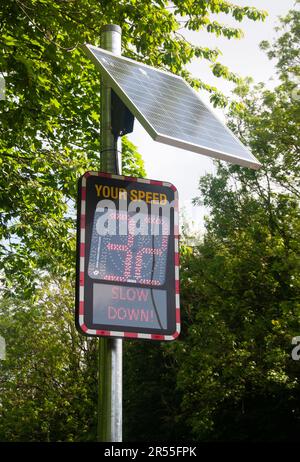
x=169 y=109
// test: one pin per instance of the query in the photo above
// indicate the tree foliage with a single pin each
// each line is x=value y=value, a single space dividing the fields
x=232 y=371
x=48 y=382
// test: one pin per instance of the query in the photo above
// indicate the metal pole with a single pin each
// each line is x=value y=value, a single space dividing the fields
x=110 y=350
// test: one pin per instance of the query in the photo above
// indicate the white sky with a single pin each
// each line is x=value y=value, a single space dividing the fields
x=184 y=168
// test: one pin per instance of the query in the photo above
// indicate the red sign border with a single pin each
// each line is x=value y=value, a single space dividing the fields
x=82 y=230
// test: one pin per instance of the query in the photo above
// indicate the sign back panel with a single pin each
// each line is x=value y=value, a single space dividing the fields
x=127 y=257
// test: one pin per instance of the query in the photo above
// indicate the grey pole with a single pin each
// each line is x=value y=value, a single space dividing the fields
x=110 y=350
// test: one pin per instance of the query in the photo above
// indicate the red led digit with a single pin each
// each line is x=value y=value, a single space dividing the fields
x=123 y=248
x=149 y=251
x=128 y=259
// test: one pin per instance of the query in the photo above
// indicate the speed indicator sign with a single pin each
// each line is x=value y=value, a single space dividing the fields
x=127 y=257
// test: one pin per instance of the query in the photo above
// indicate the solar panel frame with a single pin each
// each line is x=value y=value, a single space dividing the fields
x=159 y=136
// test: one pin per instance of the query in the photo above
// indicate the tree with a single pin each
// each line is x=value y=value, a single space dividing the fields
x=242 y=285
x=48 y=382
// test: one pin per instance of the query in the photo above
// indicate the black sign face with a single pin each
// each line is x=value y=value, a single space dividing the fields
x=127 y=258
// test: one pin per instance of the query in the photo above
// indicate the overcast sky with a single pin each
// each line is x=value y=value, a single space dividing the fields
x=184 y=168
